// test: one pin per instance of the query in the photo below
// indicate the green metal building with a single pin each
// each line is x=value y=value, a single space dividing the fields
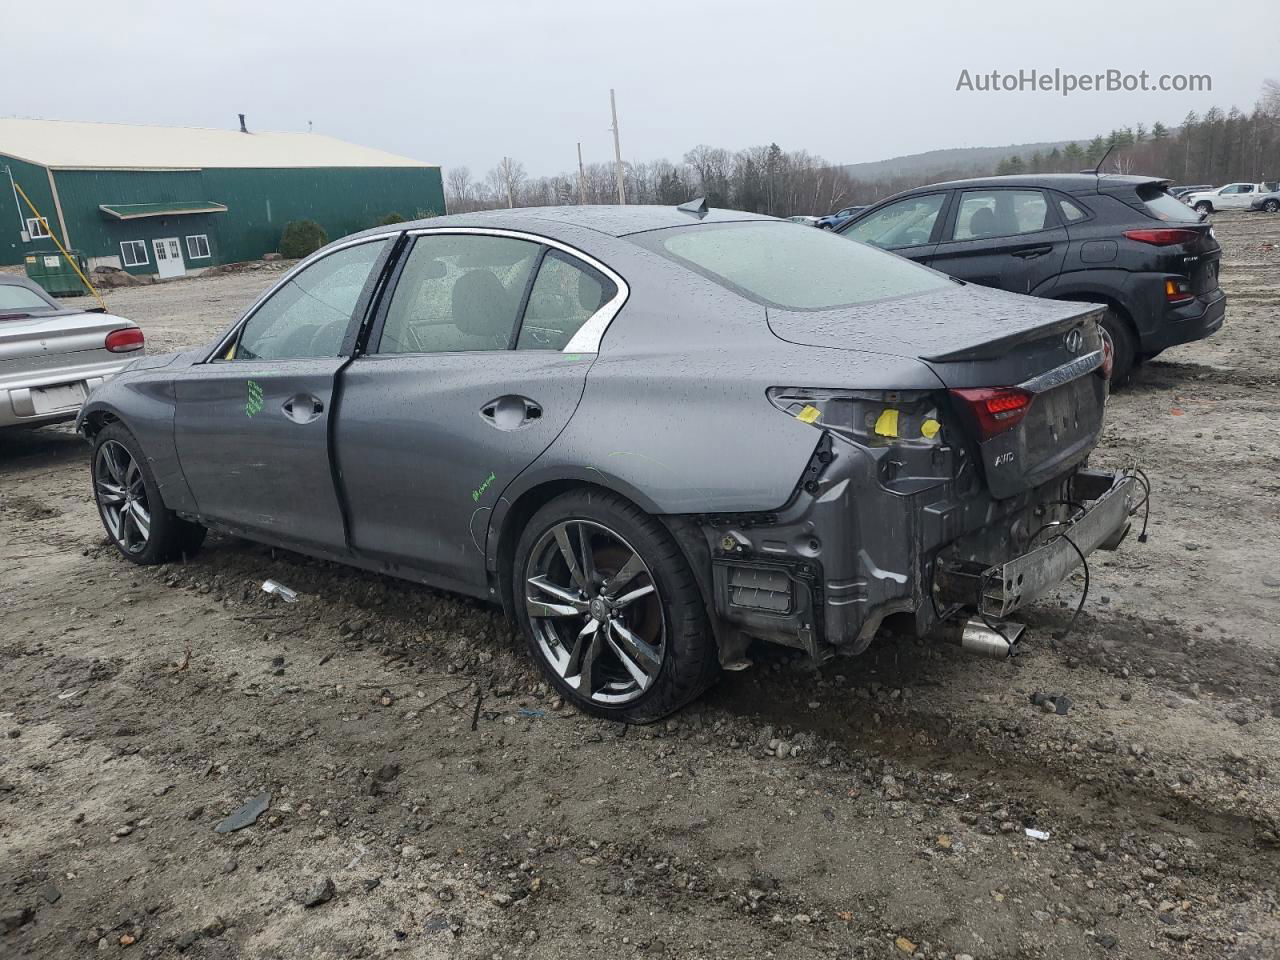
x=170 y=201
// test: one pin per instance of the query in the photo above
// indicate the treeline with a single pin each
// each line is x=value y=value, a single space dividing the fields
x=1217 y=148
x=765 y=179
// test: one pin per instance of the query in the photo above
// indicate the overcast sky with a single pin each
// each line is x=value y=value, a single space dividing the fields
x=467 y=82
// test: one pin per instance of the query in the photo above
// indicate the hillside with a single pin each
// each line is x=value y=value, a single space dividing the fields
x=958 y=160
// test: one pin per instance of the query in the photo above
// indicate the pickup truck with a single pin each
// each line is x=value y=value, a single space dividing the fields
x=1234 y=196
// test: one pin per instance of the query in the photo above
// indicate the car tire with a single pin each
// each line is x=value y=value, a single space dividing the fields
x=582 y=629
x=1204 y=206
x=1124 y=346
x=141 y=528
x=1271 y=206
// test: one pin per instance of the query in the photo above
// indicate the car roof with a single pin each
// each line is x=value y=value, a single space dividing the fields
x=616 y=221
x=1067 y=182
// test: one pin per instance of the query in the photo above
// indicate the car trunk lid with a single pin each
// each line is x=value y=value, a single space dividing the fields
x=44 y=342
x=988 y=346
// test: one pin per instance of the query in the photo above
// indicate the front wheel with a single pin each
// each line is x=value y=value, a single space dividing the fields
x=1204 y=206
x=1271 y=206
x=141 y=528
x=610 y=609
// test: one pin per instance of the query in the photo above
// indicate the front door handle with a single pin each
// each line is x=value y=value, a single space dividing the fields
x=510 y=412
x=1030 y=253
x=302 y=408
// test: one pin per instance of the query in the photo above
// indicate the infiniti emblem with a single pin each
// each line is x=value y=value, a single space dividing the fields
x=1074 y=340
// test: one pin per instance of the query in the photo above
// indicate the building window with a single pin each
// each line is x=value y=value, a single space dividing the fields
x=35 y=228
x=198 y=247
x=134 y=253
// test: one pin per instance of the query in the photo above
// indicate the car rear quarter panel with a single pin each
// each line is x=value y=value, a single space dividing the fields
x=675 y=413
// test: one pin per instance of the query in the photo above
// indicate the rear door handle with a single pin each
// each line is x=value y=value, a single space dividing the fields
x=302 y=408
x=1030 y=253
x=510 y=412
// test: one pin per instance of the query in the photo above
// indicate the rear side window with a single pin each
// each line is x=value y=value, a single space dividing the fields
x=1160 y=204
x=565 y=295
x=790 y=266
x=16 y=298
x=458 y=293
x=1000 y=213
x=1070 y=212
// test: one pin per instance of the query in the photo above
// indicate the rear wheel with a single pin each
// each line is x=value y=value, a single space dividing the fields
x=142 y=529
x=1124 y=345
x=610 y=609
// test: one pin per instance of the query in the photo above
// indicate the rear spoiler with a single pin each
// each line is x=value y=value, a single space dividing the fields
x=990 y=349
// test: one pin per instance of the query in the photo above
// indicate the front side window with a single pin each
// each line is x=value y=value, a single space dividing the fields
x=565 y=295
x=999 y=213
x=35 y=229
x=458 y=292
x=310 y=313
x=773 y=263
x=198 y=247
x=903 y=224
x=133 y=253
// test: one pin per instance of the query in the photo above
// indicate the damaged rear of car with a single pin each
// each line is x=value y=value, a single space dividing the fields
x=948 y=491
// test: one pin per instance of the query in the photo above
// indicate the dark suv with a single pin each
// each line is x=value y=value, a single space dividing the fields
x=1121 y=241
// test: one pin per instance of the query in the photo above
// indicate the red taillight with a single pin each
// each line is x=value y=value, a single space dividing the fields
x=996 y=409
x=1163 y=237
x=122 y=341
x=1108 y=356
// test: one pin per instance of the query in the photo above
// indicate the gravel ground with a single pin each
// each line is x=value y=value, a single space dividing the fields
x=425 y=794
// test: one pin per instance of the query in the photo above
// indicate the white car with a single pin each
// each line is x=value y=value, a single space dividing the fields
x=1234 y=196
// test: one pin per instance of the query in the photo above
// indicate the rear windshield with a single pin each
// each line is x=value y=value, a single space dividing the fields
x=789 y=266
x=14 y=299
x=1164 y=206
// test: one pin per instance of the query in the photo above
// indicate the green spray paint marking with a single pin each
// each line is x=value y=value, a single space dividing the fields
x=479 y=491
x=255 y=399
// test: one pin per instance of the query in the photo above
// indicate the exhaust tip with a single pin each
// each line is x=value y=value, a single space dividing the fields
x=977 y=638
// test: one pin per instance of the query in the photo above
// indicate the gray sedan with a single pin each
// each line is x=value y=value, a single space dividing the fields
x=51 y=356
x=654 y=435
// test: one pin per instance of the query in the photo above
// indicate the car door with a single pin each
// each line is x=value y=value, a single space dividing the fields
x=1245 y=192
x=1004 y=237
x=908 y=227
x=252 y=423
x=465 y=383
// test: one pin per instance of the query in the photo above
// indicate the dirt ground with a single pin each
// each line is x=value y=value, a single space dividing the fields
x=429 y=797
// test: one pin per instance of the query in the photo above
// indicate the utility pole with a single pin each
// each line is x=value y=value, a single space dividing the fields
x=617 y=148
x=582 y=178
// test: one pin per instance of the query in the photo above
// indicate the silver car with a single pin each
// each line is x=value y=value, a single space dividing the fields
x=51 y=356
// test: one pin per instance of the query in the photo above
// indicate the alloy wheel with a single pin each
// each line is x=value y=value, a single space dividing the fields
x=596 y=612
x=122 y=496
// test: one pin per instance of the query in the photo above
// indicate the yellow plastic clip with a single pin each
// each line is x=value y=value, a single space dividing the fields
x=887 y=424
x=930 y=428
x=809 y=414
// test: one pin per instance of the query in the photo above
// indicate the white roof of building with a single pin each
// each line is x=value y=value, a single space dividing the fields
x=69 y=144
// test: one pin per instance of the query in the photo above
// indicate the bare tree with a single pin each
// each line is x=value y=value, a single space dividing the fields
x=458 y=186
x=506 y=179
